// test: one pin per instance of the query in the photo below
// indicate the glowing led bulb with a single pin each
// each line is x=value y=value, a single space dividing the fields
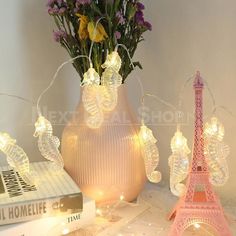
x=91 y=77
x=216 y=152
x=197 y=226
x=47 y=143
x=16 y=157
x=65 y=231
x=111 y=76
x=214 y=129
x=150 y=154
x=113 y=60
x=122 y=197
x=179 y=163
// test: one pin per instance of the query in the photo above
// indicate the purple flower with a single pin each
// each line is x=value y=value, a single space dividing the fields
x=117 y=35
x=76 y=10
x=62 y=10
x=148 y=25
x=120 y=17
x=82 y=2
x=51 y=2
x=139 y=17
x=140 y=6
x=59 y=35
x=53 y=11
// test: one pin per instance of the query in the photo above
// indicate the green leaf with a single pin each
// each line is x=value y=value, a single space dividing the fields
x=138 y=64
x=95 y=8
x=116 y=5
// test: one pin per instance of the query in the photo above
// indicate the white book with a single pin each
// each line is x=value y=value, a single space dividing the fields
x=53 y=226
x=54 y=194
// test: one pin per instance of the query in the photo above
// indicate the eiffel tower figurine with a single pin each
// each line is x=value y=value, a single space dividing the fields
x=199 y=205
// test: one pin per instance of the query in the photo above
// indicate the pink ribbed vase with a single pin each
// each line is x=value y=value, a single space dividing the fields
x=106 y=162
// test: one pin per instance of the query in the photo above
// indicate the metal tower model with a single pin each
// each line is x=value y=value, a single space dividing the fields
x=199 y=205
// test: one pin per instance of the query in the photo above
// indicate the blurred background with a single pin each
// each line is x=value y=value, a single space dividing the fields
x=186 y=36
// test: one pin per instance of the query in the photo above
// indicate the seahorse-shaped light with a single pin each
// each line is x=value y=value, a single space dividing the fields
x=111 y=80
x=113 y=61
x=179 y=163
x=16 y=158
x=47 y=143
x=216 y=152
x=92 y=98
x=150 y=154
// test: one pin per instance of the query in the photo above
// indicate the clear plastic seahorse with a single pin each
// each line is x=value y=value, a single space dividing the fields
x=47 y=143
x=179 y=163
x=216 y=152
x=111 y=80
x=16 y=158
x=150 y=154
x=113 y=60
x=92 y=98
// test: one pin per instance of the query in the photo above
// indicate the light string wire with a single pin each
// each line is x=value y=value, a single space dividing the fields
x=18 y=97
x=157 y=98
x=132 y=64
x=54 y=78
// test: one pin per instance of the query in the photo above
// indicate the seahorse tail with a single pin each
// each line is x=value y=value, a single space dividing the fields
x=154 y=177
x=178 y=189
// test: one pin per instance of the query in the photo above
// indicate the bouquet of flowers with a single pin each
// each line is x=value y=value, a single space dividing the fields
x=102 y=24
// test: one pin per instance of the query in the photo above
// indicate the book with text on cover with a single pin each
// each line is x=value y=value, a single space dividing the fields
x=53 y=226
x=55 y=194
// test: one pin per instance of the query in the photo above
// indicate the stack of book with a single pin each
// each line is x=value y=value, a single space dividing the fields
x=54 y=207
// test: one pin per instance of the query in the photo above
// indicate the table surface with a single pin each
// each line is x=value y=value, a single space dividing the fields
x=147 y=217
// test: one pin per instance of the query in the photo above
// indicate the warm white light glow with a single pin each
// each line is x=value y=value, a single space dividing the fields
x=216 y=152
x=150 y=154
x=122 y=197
x=99 y=212
x=113 y=60
x=197 y=226
x=16 y=157
x=179 y=163
x=47 y=143
x=65 y=231
x=91 y=77
x=214 y=128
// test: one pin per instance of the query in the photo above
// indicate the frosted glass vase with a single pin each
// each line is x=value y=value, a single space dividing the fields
x=105 y=162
